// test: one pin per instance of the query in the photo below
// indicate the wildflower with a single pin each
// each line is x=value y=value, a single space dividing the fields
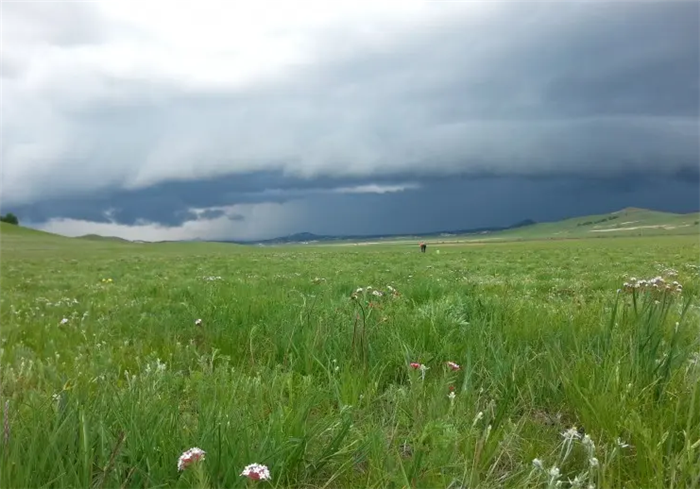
x=621 y=443
x=537 y=463
x=256 y=472
x=588 y=444
x=593 y=461
x=576 y=482
x=421 y=367
x=453 y=366
x=377 y=293
x=570 y=434
x=198 y=322
x=554 y=472
x=189 y=457
x=479 y=416
x=451 y=395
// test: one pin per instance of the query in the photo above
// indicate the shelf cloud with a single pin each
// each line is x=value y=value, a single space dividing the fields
x=129 y=114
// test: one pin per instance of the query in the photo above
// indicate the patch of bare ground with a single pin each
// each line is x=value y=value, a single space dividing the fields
x=632 y=228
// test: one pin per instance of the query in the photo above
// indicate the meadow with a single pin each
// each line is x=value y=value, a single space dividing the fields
x=118 y=357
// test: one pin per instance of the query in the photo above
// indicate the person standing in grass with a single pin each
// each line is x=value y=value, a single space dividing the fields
x=423 y=246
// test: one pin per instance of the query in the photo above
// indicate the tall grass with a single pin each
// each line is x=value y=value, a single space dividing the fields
x=563 y=381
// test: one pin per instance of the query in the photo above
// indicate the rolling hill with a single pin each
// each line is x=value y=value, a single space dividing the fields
x=626 y=222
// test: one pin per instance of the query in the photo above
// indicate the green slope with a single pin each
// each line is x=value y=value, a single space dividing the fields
x=626 y=222
x=97 y=237
x=18 y=239
x=17 y=242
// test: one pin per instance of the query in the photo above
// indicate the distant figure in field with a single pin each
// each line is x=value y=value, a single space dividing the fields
x=423 y=246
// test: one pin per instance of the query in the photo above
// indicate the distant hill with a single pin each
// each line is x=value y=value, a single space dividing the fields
x=630 y=221
x=307 y=237
x=97 y=237
x=626 y=222
x=24 y=239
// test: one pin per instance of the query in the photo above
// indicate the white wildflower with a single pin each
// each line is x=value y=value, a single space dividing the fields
x=621 y=443
x=571 y=434
x=189 y=457
x=256 y=472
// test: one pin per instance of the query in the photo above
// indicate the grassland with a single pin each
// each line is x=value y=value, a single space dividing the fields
x=106 y=379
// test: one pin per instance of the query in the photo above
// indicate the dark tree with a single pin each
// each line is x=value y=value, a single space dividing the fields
x=10 y=218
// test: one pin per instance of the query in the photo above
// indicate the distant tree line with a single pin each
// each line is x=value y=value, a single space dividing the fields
x=599 y=221
x=10 y=218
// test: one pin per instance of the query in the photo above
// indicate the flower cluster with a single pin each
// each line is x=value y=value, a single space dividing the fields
x=189 y=457
x=369 y=290
x=656 y=284
x=256 y=472
x=424 y=368
x=453 y=366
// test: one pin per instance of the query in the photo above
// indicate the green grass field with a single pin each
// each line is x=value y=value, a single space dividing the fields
x=106 y=378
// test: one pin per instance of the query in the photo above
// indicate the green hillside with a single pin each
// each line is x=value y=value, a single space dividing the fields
x=18 y=239
x=97 y=237
x=19 y=242
x=626 y=222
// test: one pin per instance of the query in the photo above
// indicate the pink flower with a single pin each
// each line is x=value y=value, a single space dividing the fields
x=256 y=472
x=189 y=457
x=415 y=365
x=453 y=366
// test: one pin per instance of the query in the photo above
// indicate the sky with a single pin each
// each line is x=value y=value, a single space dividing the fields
x=156 y=120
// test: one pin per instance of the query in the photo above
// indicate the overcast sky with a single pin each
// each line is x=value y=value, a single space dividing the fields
x=245 y=120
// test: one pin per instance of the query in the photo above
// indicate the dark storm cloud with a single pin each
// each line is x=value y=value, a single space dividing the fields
x=172 y=203
x=466 y=203
x=537 y=94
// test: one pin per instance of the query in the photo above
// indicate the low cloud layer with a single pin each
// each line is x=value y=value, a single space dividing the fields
x=128 y=114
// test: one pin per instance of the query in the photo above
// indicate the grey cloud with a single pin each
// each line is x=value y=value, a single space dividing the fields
x=174 y=203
